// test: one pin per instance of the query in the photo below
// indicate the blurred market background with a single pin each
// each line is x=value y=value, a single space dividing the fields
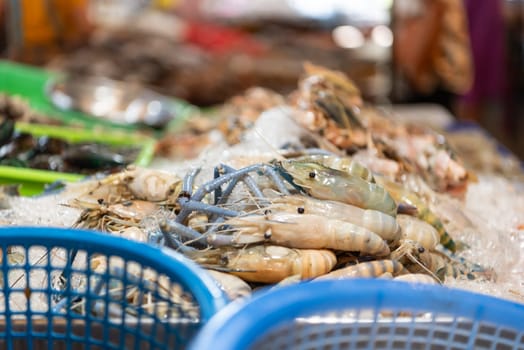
x=205 y=52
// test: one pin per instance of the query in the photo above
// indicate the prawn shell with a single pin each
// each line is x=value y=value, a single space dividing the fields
x=309 y=231
x=233 y=286
x=135 y=209
x=133 y=233
x=153 y=185
x=382 y=224
x=327 y=233
x=416 y=278
x=436 y=263
x=404 y=196
x=272 y=264
x=345 y=164
x=335 y=78
x=419 y=231
x=369 y=269
x=198 y=221
x=326 y=183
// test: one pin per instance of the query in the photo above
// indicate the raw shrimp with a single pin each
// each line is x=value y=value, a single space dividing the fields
x=155 y=186
x=100 y=191
x=403 y=196
x=407 y=248
x=437 y=264
x=136 y=210
x=345 y=164
x=382 y=224
x=377 y=165
x=198 y=221
x=113 y=217
x=267 y=263
x=419 y=231
x=233 y=286
x=326 y=183
x=133 y=233
x=146 y=289
x=328 y=104
x=306 y=231
x=288 y=281
x=445 y=266
x=367 y=269
x=154 y=293
x=135 y=183
x=408 y=253
x=416 y=278
x=335 y=80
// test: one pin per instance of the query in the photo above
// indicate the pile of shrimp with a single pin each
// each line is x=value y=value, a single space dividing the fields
x=298 y=218
x=350 y=194
x=358 y=196
x=362 y=131
x=329 y=105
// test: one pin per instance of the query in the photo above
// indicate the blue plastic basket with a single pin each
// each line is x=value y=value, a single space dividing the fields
x=365 y=314
x=60 y=292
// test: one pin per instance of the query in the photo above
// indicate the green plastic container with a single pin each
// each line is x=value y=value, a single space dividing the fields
x=30 y=83
x=33 y=181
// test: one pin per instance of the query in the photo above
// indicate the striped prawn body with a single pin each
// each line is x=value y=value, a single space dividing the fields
x=307 y=231
x=382 y=224
x=325 y=183
x=369 y=269
x=268 y=263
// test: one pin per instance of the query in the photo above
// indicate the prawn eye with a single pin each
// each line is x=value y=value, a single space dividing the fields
x=421 y=249
x=300 y=210
x=224 y=260
x=312 y=174
x=184 y=194
x=267 y=234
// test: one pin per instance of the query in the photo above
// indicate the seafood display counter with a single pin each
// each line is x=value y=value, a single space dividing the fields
x=270 y=190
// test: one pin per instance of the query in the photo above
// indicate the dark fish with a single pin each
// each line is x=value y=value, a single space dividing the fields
x=7 y=128
x=94 y=157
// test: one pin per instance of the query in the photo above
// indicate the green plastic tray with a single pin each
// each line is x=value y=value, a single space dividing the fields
x=30 y=83
x=34 y=181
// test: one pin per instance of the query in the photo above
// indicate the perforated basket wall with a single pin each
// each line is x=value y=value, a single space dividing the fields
x=366 y=314
x=75 y=289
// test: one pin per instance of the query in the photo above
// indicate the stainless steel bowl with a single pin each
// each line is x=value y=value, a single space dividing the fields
x=118 y=102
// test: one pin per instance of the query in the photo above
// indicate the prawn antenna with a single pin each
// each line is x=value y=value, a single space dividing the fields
x=415 y=260
x=274 y=150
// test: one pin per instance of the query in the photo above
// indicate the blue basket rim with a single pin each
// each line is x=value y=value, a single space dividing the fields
x=205 y=290
x=244 y=321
